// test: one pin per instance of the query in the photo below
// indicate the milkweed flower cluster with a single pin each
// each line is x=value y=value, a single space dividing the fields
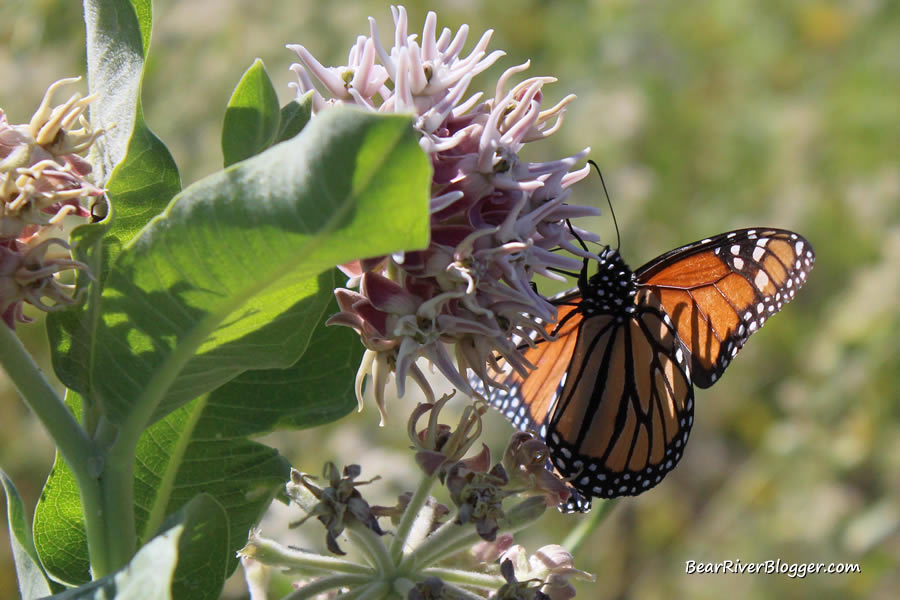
x=495 y=218
x=403 y=557
x=43 y=179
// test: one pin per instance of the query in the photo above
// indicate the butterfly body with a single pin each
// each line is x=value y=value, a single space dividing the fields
x=613 y=389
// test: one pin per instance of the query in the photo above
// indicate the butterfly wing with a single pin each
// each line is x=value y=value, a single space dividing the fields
x=526 y=401
x=718 y=291
x=625 y=407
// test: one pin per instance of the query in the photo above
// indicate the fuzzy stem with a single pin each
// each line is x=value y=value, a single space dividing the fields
x=409 y=516
x=584 y=529
x=72 y=441
x=75 y=447
x=318 y=586
x=466 y=578
x=376 y=591
x=448 y=539
x=270 y=552
x=402 y=586
x=451 y=538
x=373 y=591
x=372 y=545
x=460 y=593
x=117 y=489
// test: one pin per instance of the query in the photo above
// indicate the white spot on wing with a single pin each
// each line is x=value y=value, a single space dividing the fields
x=758 y=253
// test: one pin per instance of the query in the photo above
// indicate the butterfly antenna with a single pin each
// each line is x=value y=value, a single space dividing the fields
x=576 y=236
x=608 y=201
x=583 y=275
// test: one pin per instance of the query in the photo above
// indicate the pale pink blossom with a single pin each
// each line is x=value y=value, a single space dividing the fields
x=43 y=180
x=495 y=218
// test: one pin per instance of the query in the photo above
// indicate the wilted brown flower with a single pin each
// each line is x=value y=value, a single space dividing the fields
x=339 y=503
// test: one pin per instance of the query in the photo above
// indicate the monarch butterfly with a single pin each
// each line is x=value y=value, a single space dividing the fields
x=612 y=393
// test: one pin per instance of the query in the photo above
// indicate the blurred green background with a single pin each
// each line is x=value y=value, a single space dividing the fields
x=704 y=117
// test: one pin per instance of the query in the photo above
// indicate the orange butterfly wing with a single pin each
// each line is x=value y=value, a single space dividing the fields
x=625 y=409
x=527 y=401
x=720 y=290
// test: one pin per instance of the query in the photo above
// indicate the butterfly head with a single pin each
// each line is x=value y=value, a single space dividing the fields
x=611 y=289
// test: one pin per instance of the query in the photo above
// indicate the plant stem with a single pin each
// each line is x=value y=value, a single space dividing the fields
x=583 y=530
x=324 y=584
x=72 y=442
x=409 y=516
x=117 y=496
x=448 y=538
x=373 y=546
x=467 y=578
x=451 y=537
x=273 y=554
x=456 y=592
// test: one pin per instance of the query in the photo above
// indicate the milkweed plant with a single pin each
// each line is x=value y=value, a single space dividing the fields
x=380 y=222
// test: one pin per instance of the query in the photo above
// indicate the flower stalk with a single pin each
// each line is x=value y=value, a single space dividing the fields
x=416 y=505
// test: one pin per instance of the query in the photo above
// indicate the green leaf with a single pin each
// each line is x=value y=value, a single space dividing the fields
x=148 y=575
x=142 y=183
x=204 y=550
x=317 y=389
x=116 y=48
x=59 y=530
x=204 y=445
x=32 y=581
x=252 y=116
x=233 y=251
x=184 y=453
x=179 y=563
x=294 y=117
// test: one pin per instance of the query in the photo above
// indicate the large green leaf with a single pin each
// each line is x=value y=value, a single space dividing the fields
x=116 y=48
x=252 y=117
x=59 y=530
x=231 y=253
x=179 y=563
x=204 y=549
x=32 y=581
x=204 y=446
x=143 y=177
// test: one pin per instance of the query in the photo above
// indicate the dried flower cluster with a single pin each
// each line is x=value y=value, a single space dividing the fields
x=406 y=560
x=43 y=179
x=494 y=217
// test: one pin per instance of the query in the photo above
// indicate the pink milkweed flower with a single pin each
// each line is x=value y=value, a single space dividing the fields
x=495 y=218
x=43 y=180
x=551 y=566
